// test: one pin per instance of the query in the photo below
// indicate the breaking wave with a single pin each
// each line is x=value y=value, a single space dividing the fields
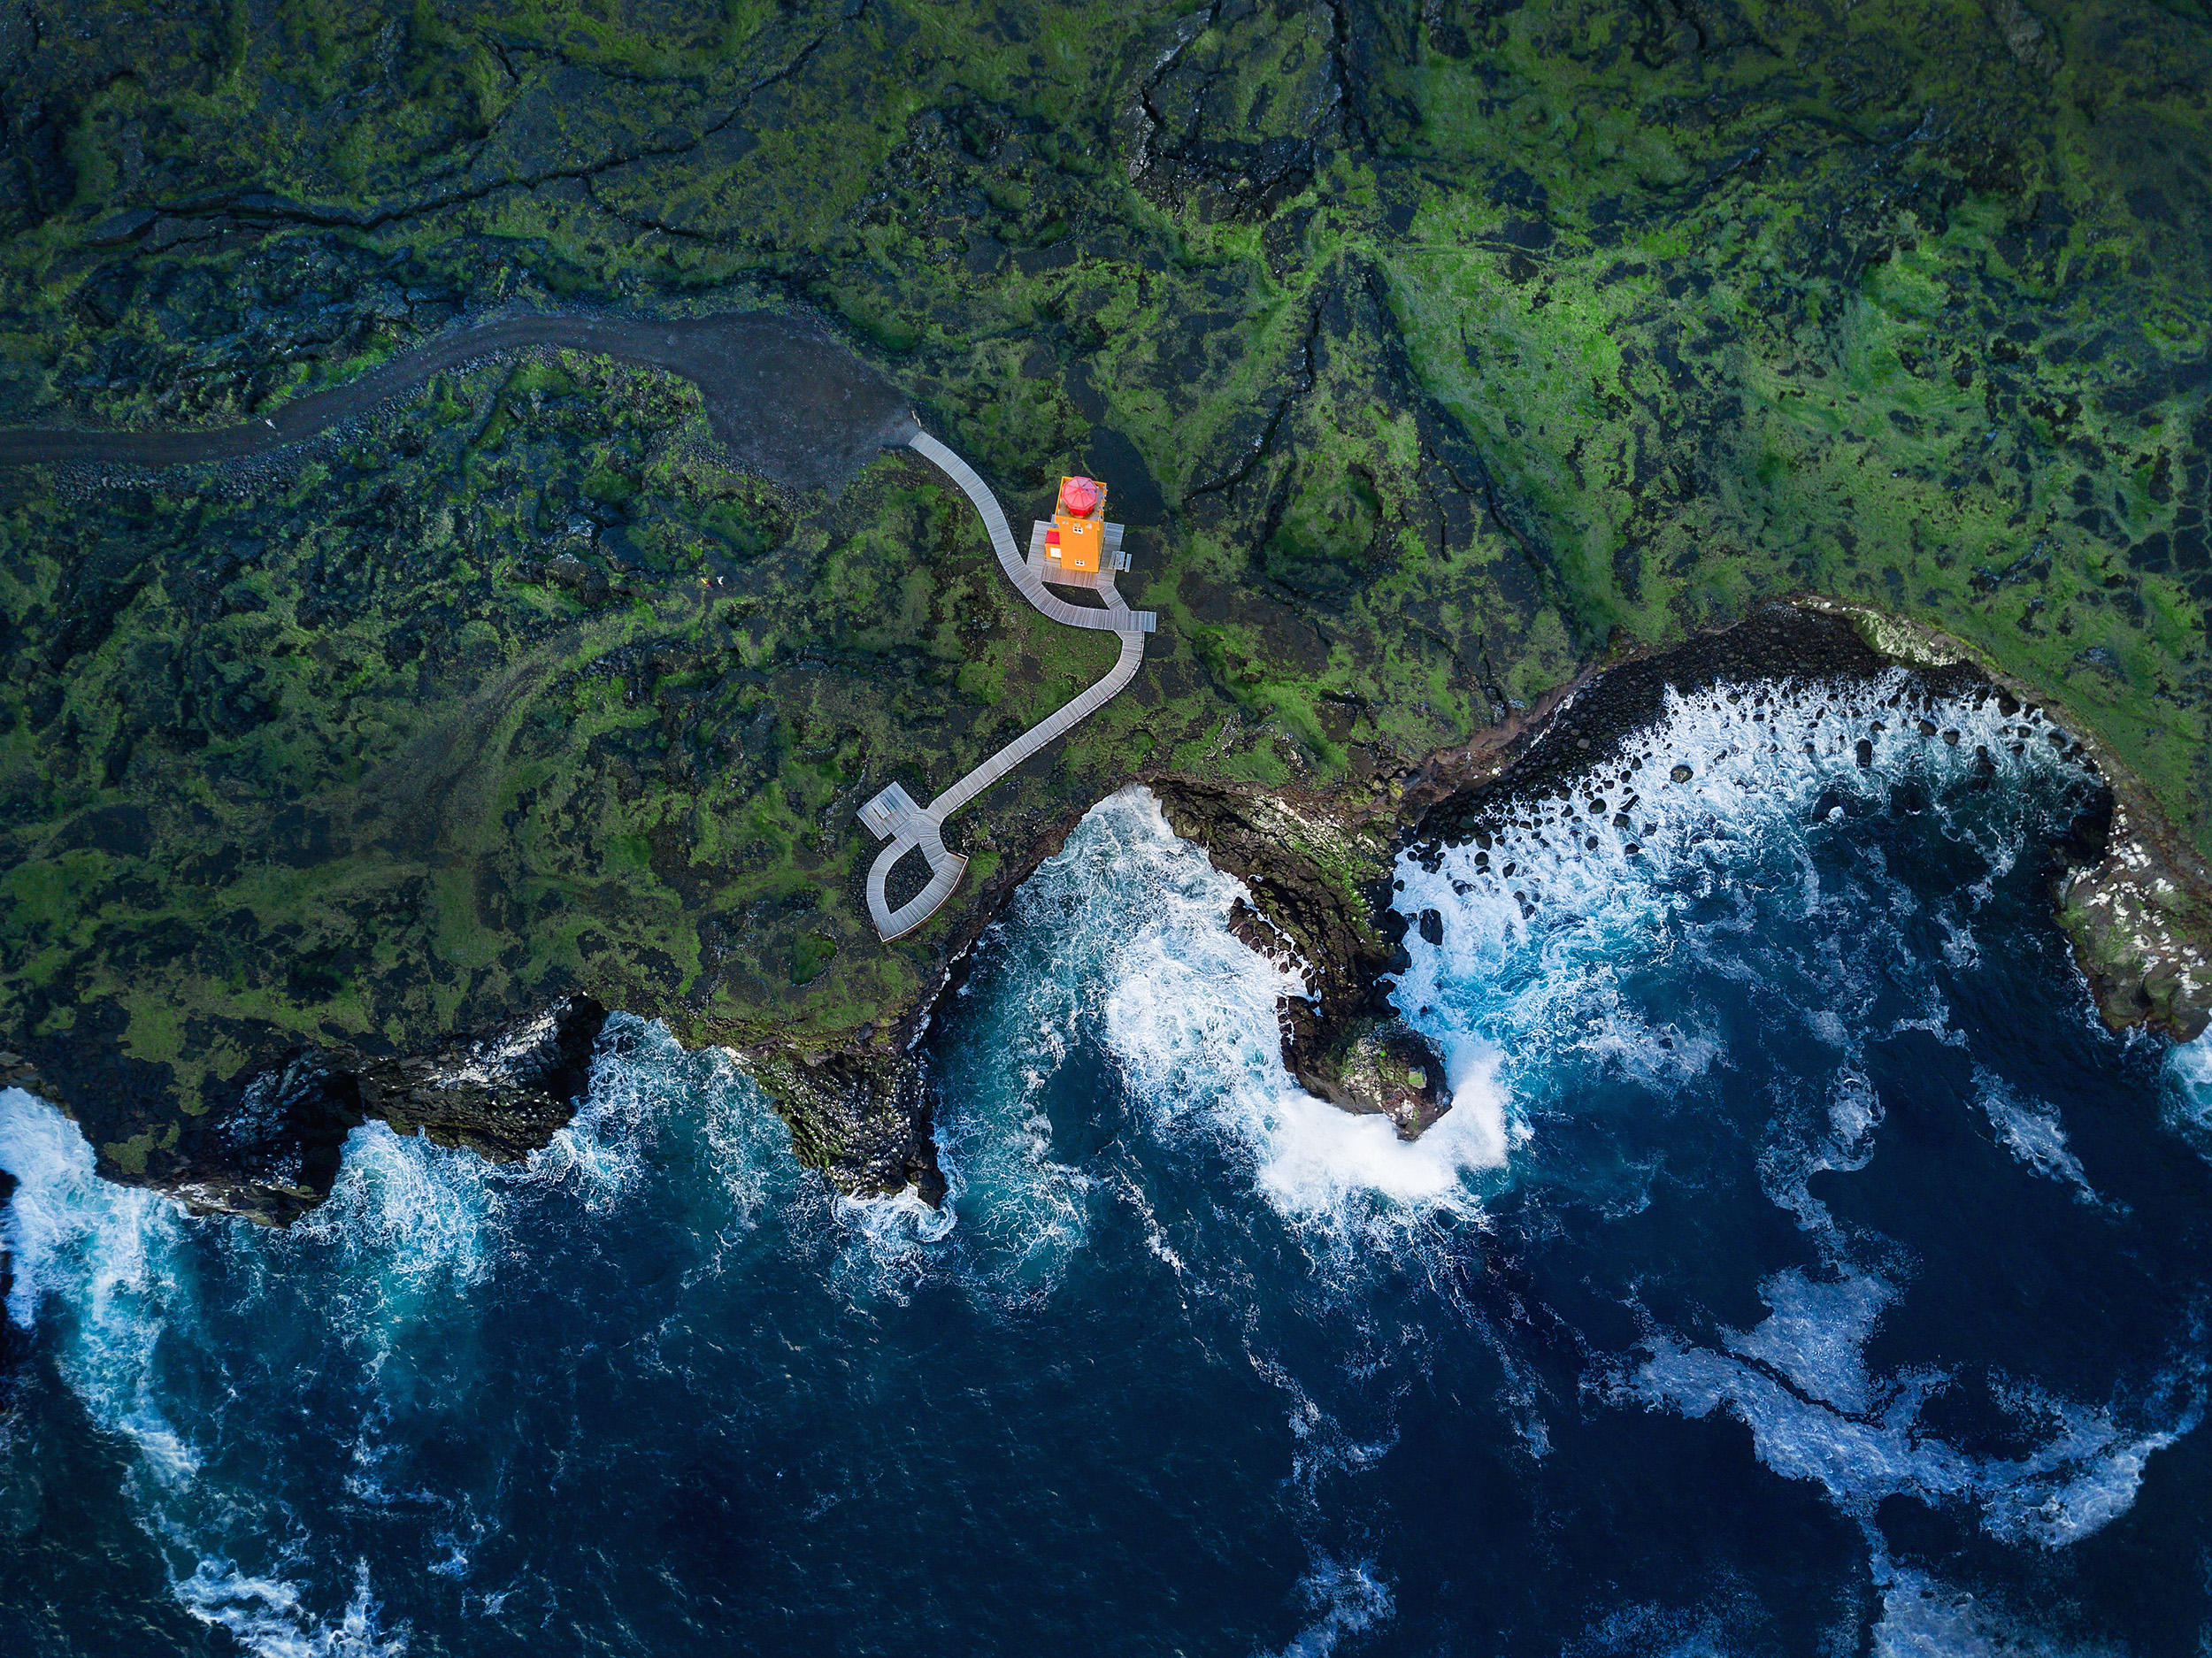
x=1551 y=912
x=1824 y=859
x=111 y=1259
x=2189 y=1106
x=1144 y=955
x=142 y=1299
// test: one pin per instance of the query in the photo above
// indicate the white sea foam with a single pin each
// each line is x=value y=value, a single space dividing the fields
x=1803 y=1141
x=1814 y=1333
x=888 y=1239
x=1923 y=1619
x=1316 y=1158
x=1025 y=1213
x=111 y=1270
x=266 y=1616
x=1799 y=1382
x=69 y=1231
x=1189 y=1014
x=2031 y=1133
x=416 y=1214
x=1350 y=1599
x=1854 y=1113
x=104 y=1262
x=1013 y=1215
x=104 y=1255
x=748 y=1143
x=1541 y=914
x=2189 y=1091
x=418 y=1217
x=1529 y=968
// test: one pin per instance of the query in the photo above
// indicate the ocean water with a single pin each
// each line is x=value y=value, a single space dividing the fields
x=1802 y=1268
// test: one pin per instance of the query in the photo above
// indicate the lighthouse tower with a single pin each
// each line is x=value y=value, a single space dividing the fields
x=1078 y=548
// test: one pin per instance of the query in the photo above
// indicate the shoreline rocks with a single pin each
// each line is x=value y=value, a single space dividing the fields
x=270 y=1151
x=2139 y=917
x=2137 y=905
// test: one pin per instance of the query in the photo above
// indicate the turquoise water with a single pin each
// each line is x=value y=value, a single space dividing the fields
x=1802 y=1268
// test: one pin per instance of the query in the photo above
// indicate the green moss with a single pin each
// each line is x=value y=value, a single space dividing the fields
x=810 y=956
x=129 y=1155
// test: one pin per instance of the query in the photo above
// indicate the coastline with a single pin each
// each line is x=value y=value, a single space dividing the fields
x=2135 y=903
x=2139 y=916
x=2133 y=900
x=515 y=691
x=1319 y=865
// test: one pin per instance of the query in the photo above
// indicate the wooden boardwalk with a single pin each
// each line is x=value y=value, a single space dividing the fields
x=1030 y=582
x=892 y=815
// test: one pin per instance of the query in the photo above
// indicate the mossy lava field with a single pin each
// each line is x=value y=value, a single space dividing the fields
x=1435 y=354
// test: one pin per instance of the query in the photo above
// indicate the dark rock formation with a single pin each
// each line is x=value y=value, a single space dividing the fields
x=270 y=1152
x=2138 y=905
x=273 y=1155
x=553 y=672
x=863 y=1118
x=1779 y=641
x=1319 y=871
x=502 y=1095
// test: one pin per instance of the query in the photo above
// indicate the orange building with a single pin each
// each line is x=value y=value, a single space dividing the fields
x=1076 y=541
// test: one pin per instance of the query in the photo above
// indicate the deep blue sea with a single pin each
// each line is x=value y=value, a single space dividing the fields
x=1802 y=1268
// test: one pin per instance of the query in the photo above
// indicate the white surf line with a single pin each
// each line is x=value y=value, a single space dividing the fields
x=892 y=815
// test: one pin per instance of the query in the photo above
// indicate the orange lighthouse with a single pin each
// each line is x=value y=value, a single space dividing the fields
x=1077 y=540
x=1078 y=548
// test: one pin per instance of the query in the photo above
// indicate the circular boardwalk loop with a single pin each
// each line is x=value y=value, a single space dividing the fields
x=893 y=816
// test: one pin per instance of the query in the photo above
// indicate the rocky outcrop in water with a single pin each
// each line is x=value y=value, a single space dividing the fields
x=2139 y=913
x=862 y=1117
x=1318 y=872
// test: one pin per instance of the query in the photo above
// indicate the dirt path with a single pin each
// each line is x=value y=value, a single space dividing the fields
x=789 y=402
x=787 y=398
